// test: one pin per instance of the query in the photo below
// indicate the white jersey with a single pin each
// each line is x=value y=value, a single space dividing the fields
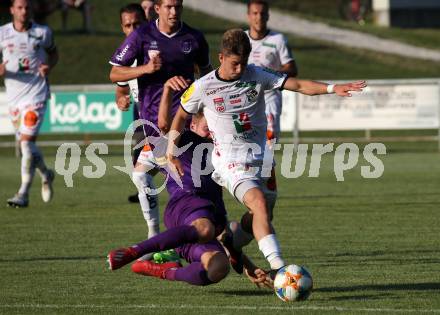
x=24 y=52
x=133 y=85
x=235 y=112
x=270 y=52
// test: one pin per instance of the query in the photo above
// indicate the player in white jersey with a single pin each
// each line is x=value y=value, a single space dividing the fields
x=28 y=54
x=232 y=98
x=269 y=50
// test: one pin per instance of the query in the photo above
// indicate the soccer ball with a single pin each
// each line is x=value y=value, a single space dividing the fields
x=293 y=283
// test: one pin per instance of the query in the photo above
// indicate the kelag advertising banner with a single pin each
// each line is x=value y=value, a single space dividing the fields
x=88 y=112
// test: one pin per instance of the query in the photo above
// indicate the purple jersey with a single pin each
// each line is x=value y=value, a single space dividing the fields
x=179 y=53
x=192 y=181
x=195 y=200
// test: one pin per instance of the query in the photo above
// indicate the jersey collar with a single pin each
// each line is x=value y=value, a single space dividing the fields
x=168 y=35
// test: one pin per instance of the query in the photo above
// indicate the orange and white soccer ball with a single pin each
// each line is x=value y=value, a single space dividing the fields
x=293 y=283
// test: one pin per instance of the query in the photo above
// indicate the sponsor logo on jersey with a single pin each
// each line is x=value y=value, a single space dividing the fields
x=186 y=46
x=23 y=64
x=153 y=53
x=216 y=90
x=250 y=84
x=270 y=45
x=121 y=55
x=235 y=102
x=242 y=122
x=219 y=104
x=252 y=95
x=187 y=95
x=11 y=48
x=154 y=45
x=231 y=97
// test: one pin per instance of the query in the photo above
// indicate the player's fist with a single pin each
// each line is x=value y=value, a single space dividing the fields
x=43 y=70
x=345 y=89
x=3 y=68
x=124 y=103
x=177 y=83
x=153 y=65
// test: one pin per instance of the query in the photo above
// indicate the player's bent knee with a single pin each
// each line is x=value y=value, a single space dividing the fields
x=217 y=265
x=205 y=229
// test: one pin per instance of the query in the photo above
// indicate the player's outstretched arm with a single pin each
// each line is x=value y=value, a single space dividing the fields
x=123 y=97
x=124 y=74
x=173 y=140
x=317 y=88
x=174 y=84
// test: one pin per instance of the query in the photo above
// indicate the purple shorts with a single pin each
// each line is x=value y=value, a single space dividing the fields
x=186 y=207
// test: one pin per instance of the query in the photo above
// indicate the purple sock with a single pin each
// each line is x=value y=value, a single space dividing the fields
x=193 y=273
x=169 y=239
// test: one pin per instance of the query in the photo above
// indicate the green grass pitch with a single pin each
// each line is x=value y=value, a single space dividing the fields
x=372 y=246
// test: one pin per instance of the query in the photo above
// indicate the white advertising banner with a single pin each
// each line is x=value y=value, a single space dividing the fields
x=6 y=127
x=380 y=106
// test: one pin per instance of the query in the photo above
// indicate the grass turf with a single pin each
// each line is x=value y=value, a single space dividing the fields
x=371 y=245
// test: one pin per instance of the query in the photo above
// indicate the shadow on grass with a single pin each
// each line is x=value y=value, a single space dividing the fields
x=244 y=292
x=429 y=286
x=61 y=258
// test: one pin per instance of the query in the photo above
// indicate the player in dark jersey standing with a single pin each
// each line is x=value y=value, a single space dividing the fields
x=163 y=49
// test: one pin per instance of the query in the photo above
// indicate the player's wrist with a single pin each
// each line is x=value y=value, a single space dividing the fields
x=331 y=88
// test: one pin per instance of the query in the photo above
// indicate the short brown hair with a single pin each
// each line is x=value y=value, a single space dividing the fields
x=262 y=2
x=236 y=42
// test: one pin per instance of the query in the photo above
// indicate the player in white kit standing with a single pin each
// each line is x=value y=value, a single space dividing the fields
x=269 y=50
x=232 y=98
x=28 y=54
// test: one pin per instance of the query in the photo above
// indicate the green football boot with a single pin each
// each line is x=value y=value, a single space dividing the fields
x=166 y=256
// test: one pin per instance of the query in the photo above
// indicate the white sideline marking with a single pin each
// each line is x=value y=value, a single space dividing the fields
x=221 y=307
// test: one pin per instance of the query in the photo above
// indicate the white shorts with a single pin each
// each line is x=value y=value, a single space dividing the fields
x=28 y=119
x=273 y=114
x=147 y=158
x=239 y=178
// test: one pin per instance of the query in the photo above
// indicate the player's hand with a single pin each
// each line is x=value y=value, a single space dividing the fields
x=153 y=65
x=177 y=83
x=44 y=70
x=259 y=277
x=175 y=165
x=3 y=68
x=124 y=103
x=345 y=89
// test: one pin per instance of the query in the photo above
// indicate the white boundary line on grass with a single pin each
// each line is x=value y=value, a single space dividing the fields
x=221 y=307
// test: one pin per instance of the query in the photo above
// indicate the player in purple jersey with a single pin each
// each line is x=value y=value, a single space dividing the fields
x=163 y=48
x=194 y=216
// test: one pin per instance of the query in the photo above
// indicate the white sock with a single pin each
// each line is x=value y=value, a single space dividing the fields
x=270 y=248
x=27 y=167
x=149 y=203
x=38 y=160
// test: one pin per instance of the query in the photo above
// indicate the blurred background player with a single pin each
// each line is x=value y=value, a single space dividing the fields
x=269 y=50
x=163 y=48
x=131 y=16
x=235 y=114
x=28 y=55
x=148 y=7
